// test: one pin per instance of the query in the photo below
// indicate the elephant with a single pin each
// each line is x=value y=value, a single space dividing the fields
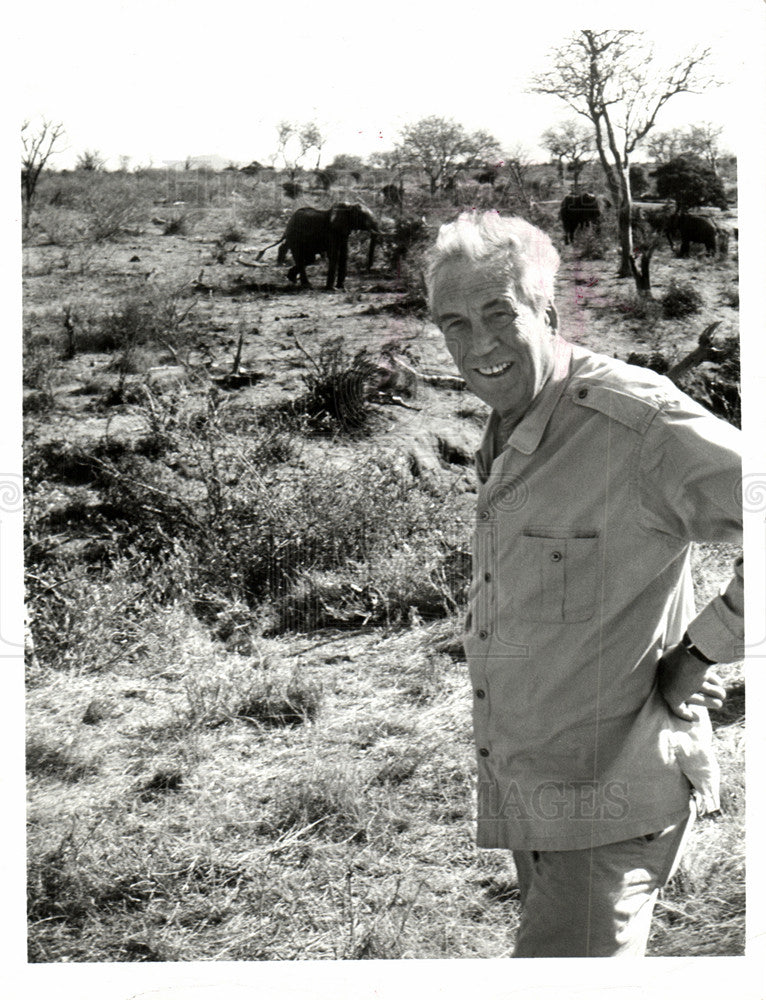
x=579 y=210
x=692 y=229
x=486 y=177
x=313 y=232
x=392 y=194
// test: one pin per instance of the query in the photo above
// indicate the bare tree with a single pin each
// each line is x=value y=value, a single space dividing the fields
x=299 y=139
x=570 y=142
x=310 y=137
x=700 y=139
x=37 y=148
x=518 y=162
x=441 y=148
x=703 y=140
x=664 y=146
x=285 y=132
x=611 y=78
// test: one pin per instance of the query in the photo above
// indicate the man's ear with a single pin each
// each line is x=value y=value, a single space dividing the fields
x=552 y=317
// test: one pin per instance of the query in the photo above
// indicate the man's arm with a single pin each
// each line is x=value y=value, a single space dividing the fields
x=690 y=488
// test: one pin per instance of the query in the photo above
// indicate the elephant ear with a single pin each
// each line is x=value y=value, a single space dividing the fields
x=340 y=213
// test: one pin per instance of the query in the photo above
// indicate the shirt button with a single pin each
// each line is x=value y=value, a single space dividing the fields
x=556 y=557
x=484 y=752
x=582 y=393
x=485 y=515
x=480 y=693
x=483 y=633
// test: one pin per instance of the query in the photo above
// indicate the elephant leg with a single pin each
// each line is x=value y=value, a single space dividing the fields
x=342 y=263
x=683 y=250
x=332 y=266
x=301 y=260
x=371 y=251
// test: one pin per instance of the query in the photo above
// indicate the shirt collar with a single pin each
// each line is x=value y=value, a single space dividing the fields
x=526 y=436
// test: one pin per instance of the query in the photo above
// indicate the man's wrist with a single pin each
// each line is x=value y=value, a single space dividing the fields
x=694 y=651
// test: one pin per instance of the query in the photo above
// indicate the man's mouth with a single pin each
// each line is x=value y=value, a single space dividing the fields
x=493 y=370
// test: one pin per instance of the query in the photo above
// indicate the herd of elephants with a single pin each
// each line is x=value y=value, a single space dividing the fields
x=313 y=232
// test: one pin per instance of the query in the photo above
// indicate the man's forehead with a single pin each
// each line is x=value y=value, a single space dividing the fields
x=457 y=279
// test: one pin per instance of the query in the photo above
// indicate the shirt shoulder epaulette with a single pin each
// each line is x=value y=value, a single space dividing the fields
x=632 y=406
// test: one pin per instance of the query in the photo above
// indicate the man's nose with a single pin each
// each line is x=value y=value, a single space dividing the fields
x=483 y=340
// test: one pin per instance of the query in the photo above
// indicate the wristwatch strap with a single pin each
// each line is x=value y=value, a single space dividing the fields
x=691 y=648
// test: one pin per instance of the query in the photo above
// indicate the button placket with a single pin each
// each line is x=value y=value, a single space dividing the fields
x=484 y=550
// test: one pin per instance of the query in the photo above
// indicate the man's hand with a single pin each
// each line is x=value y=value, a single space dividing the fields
x=683 y=681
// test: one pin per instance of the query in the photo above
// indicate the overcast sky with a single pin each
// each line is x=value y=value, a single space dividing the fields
x=160 y=80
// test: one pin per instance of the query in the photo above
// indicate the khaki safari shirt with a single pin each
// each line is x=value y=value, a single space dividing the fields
x=581 y=579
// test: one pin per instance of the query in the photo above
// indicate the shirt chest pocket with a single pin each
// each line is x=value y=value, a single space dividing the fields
x=556 y=575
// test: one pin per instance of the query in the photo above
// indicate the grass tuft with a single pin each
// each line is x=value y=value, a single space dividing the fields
x=681 y=299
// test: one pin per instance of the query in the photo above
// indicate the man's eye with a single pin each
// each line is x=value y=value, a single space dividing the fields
x=455 y=327
x=501 y=317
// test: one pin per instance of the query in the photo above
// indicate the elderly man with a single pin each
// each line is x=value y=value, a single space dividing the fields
x=590 y=671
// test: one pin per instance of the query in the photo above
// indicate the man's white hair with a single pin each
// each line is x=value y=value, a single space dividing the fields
x=510 y=247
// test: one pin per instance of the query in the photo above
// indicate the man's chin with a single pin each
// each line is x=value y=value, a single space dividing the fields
x=497 y=401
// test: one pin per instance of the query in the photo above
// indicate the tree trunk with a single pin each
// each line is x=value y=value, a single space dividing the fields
x=641 y=277
x=623 y=222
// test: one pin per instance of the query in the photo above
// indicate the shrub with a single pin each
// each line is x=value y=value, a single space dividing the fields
x=176 y=226
x=112 y=208
x=160 y=315
x=58 y=226
x=232 y=233
x=589 y=243
x=410 y=234
x=39 y=365
x=337 y=391
x=681 y=299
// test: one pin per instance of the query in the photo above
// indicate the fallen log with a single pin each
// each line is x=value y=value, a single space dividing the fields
x=706 y=350
x=438 y=381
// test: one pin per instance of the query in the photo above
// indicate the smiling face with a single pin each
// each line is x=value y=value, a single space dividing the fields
x=503 y=348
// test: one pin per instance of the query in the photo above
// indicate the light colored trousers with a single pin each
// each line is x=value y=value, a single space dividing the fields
x=596 y=902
